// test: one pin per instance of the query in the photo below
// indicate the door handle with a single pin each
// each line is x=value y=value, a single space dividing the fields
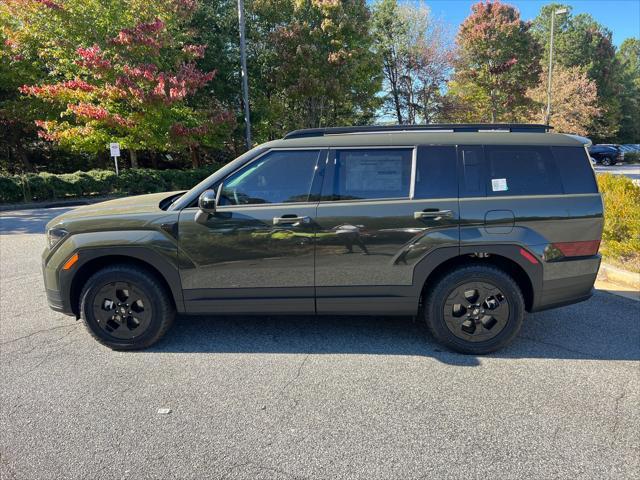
x=291 y=220
x=435 y=214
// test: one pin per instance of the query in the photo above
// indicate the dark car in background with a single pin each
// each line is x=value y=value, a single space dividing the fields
x=606 y=155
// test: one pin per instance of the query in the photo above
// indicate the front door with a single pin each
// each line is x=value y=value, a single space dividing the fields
x=382 y=211
x=256 y=253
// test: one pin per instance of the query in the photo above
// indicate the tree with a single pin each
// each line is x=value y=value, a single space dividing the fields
x=575 y=100
x=16 y=117
x=311 y=65
x=581 y=41
x=629 y=59
x=417 y=59
x=121 y=74
x=498 y=60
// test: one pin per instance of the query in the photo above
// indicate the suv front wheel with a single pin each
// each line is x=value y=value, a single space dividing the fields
x=475 y=309
x=126 y=308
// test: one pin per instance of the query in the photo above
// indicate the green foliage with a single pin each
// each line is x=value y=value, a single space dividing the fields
x=313 y=65
x=47 y=186
x=117 y=71
x=621 y=236
x=632 y=157
x=498 y=61
x=629 y=59
x=579 y=40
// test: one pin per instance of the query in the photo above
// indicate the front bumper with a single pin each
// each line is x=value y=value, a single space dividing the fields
x=57 y=283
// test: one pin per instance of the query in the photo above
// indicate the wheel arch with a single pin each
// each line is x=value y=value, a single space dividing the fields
x=95 y=259
x=505 y=257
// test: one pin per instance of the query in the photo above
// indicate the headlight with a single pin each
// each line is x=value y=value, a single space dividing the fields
x=55 y=235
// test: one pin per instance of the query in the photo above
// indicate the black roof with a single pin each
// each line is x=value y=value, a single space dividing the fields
x=454 y=127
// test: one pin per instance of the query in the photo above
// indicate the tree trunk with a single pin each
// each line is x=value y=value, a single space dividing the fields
x=24 y=158
x=195 y=157
x=396 y=101
x=134 y=158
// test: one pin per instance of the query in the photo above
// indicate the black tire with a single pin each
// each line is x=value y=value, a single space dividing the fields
x=439 y=300
x=606 y=161
x=153 y=311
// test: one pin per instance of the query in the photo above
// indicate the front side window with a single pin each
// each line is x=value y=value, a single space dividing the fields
x=367 y=174
x=280 y=176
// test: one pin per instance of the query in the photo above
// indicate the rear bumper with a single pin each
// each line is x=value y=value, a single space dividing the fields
x=567 y=282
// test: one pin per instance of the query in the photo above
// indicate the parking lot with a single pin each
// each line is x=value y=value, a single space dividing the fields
x=305 y=397
x=629 y=170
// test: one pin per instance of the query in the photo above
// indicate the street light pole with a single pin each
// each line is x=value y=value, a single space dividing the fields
x=553 y=16
x=245 y=79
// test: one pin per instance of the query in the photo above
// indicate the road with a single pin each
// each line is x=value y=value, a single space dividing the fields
x=304 y=397
x=630 y=170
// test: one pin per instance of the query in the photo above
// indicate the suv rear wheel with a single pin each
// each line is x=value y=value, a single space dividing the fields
x=126 y=308
x=607 y=161
x=475 y=309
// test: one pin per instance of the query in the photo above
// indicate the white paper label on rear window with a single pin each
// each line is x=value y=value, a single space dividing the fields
x=499 y=184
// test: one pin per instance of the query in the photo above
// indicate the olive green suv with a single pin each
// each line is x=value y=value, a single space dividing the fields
x=464 y=226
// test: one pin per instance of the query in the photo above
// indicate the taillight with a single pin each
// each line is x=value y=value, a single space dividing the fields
x=578 y=249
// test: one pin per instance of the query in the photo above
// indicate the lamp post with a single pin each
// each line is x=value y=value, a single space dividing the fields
x=245 y=80
x=560 y=11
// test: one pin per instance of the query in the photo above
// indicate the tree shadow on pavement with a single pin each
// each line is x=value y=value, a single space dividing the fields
x=606 y=327
x=27 y=221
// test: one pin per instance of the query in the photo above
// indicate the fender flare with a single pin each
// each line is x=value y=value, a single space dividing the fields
x=144 y=254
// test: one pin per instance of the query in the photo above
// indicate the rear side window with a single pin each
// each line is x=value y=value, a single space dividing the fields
x=575 y=170
x=362 y=174
x=436 y=172
x=521 y=170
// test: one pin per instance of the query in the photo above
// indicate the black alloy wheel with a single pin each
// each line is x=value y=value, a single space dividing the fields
x=126 y=308
x=474 y=309
x=122 y=310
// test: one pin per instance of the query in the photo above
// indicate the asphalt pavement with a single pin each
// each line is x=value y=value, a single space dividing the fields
x=305 y=397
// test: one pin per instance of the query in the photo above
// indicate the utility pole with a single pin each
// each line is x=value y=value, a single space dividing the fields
x=553 y=16
x=245 y=79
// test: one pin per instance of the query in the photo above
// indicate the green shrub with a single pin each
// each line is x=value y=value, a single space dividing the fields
x=632 y=157
x=11 y=189
x=621 y=235
x=49 y=186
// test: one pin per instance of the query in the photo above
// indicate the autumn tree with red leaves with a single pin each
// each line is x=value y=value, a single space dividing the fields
x=130 y=78
x=498 y=60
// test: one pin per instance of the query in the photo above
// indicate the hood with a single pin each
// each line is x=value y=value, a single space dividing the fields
x=118 y=210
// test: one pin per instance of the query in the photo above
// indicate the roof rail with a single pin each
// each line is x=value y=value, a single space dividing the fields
x=451 y=127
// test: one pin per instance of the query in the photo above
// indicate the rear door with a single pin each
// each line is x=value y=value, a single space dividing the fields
x=382 y=210
x=510 y=194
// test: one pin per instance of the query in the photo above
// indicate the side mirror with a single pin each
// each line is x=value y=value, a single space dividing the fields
x=207 y=201
x=206 y=205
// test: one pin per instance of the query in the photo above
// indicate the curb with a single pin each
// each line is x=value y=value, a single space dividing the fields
x=619 y=276
x=74 y=202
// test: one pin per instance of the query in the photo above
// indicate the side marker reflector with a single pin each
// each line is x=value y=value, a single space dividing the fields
x=528 y=256
x=71 y=262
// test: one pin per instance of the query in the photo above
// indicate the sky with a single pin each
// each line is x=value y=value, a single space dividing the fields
x=622 y=17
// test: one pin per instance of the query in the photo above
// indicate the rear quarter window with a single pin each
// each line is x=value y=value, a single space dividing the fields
x=521 y=170
x=575 y=170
